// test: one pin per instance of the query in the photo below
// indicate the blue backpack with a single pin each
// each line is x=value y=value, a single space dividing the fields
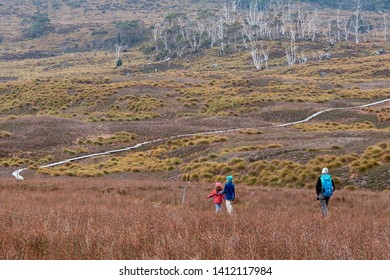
x=327 y=186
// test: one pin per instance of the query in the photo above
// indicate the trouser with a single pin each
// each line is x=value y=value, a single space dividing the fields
x=229 y=207
x=218 y=208
x=324 y=204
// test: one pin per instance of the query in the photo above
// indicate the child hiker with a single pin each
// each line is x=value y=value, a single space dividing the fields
x=217 y=197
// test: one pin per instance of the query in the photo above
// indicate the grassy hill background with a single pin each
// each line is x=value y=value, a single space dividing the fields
x=79 y=77
x=61 y=96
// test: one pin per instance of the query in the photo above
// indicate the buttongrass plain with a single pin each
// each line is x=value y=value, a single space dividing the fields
x=117 y=218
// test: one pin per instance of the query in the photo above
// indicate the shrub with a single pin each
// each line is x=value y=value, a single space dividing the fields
x=234 y=161
x=5 y=134
x=251 y=180
x=350 y=188
x=38 y=25
x=274 y=146
x=131 y=32
x=386 y=158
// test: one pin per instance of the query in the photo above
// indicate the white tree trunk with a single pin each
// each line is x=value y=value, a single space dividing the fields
x=291 y=51
x=357 y=24
x=156 y=32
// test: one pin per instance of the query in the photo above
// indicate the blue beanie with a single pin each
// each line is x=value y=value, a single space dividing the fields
x=229 y=178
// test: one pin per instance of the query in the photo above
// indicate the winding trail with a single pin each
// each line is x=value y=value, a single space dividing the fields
x=17 y=175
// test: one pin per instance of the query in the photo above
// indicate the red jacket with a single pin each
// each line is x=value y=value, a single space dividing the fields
x=217 y=197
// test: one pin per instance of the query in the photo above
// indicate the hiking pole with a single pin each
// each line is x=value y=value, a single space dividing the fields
x=185 y=188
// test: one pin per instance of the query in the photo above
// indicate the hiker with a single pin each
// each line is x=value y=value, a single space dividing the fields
x=229 y=193
x=325 y=188
x=217 y=197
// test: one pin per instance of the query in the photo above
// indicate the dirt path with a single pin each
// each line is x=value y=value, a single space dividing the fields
x=17 y=175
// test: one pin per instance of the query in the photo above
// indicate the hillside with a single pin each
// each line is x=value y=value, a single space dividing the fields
x=61 y=103
x=170 y=96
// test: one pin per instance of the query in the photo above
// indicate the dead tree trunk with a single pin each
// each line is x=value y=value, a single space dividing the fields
x=291 y=51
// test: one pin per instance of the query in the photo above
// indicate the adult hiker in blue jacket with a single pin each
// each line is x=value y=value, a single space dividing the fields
x=324 y=188
x=229 y=192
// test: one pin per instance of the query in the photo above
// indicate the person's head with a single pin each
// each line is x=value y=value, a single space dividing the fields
x=218 y=186
x=325 y=171
x=229 y=178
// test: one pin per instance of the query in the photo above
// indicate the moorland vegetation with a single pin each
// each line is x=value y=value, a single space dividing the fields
x=83 y=77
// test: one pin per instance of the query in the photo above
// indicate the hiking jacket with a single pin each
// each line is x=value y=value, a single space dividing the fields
x=319 y=186
x=217 y=197
x=229 y=191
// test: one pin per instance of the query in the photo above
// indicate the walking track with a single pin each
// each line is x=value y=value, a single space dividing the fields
x=17 y=175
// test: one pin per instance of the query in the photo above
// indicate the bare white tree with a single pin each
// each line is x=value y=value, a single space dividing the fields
x=291 y=51
x=265 y=55
x=263 y=29
x=302 y=23
x=347 y=30
x=252 y=15
x=183 y=26
x=246 y=33
x=164 y=36
x=302 y=59
x=284 y=19
x=211 y=29
x=338 y=25
x=257 y=58
x=211 y=32
x=283 y=23
x=156 y=32
x=118 y=55
x=234 y=6
x=330 y=34
x=384 y=25
x=312 y=25
x=230 y=11
x=221 y=33
x=195 y=36
x=288 y=9
x=356 y=20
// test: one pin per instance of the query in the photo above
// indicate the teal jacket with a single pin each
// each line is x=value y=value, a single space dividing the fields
x=229 y=191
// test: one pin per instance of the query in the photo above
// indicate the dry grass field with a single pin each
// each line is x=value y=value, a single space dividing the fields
x=57 y=104
x=145 y=219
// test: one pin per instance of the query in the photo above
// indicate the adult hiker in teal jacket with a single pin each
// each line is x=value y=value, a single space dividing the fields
x=229 y=192
x=324 y=188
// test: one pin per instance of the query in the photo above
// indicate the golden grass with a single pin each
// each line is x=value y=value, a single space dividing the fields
x=383 y=113
x=334 y=126
x=5 y=134
x=15 y=161
x=250 y=131
x=119 y=137
x=72 y=97
x=284 y=173
x=345 y=69
x=109 y=96
x=372 y=156
x=171 y=157
x=154 y=160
